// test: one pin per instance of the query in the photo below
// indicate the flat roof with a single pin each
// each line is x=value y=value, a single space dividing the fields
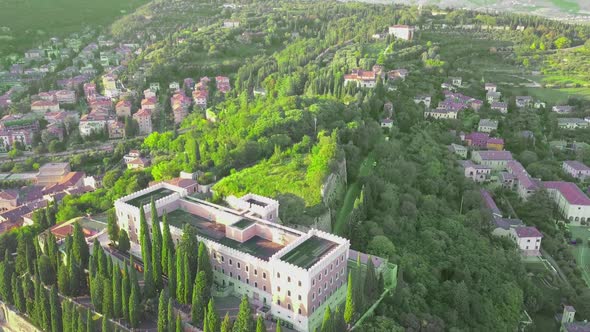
x=146 y=198
x=243 y=223
x=309 y=252
x=256 y=246
x=253 y=201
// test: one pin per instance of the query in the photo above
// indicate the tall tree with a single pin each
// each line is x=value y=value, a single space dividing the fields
x=260 y=327
x=56 y=319
x=156 y=247
x=201 y=296
x=204 y=264
x=146 y=255
x=327 y=322
x=134 y=308
x=244 y=322
x=105 y=323
x=89 y=321
x=167 y=243
x=211 y=318
x=188 y=279
x=349 y=308
x=46 y=311
x=180 y=289
x=66 y=316
x=371 y=281
x=338 y=319
x=112 y=226
x=170 y=319
x=278 y=328
x=116 y=287
x=125 y=285
x=6 y=280
x=124 y=245
x=17 y=292
x=179 y=326
x=226 y=325
x=171 y=275
x=107 y=299
x=80 y=247
x=163 y=312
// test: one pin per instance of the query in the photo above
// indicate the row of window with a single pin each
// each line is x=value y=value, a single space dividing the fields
x=239 y=265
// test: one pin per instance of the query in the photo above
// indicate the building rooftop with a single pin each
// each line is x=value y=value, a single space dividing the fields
x=569 y=191
x=521 y=174
x=309 y=252
x=576 y=165
x=507 y=223
x=146 y=198
x=527 y=231
x=495 y=155
x=489 y=202
x=243 y=223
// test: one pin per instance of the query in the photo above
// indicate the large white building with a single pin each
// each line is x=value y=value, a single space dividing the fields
x=404 y=32
x=528 y=240
x=294 y=274
x=573 y=204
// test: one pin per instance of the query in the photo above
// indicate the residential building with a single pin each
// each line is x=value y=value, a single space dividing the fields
x=525 y=185
x=231 y=24
x=562 y=109
x=576 y=169
x=42 y=106
x=109 y=83
x=504 y=226
x=52 y=173
x=573 y=204
x=487 y=125
x=138 y=163
x=456 y=81
x=133 y=154
x=295 y=274
x=568 y=324
x=149 y=103
x=459 y=150
x=493 y=97
x=478 y=140
x=475 y=172
x=404 y=32
x=497 y=160
x=496 y=144
x=507 y=180
x=397 y=74
x=528 y=240
x=440 y=113
x=571 y=123
x=200 y=98
x=144 y=119
x=123 y=108
x=523 y=101
x=362 y=78
x=222 y=84
x=95 y=122
x=116 y=129
x=424 y=100
x=501 y=107
x=490 y=87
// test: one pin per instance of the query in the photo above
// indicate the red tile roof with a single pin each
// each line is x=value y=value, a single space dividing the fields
x=569 y=191
x=528 y=231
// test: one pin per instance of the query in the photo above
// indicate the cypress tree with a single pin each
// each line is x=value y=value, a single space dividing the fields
x=188 y=279
x=63 y=281
x=124 y=245
x=226 y=325
x=200 y=298
x=22 y=252
x=81 y=325
x=349 y=308
x=358 y=291
x=134 y=308
x=73 y=276
x=244 y=321
x=260 y=327
x=17 y=292
x=89 y=322
x=211 y=318
x=105 y=324
x=80 y=247
x=66 y=316
x=203 y=263
x=162 y=312
x=116 y=287
x=146 y=253
x=46 y=311
x=371 y=281
x=167 y=243
x=180 y=276
x=170 y=319
x=125 y=297
x=278 y=329
x=5 y=281
x=171 y=275
x=56 y=319
x=97 y=292
x=73 y=318
x=112 y=227
x=156 y=247
x=338 y=319
x=327 y=322
x=179 y=327
x=53 y=251
x=29 y=294
x=107 y=298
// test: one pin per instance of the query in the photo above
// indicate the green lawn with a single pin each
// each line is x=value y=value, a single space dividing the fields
x=146 y=198
x=352 y=193
x=581 y=251
x=306 y=254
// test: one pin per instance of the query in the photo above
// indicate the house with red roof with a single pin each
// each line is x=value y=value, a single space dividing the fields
x=576 y=169
x=475 y=172
x=528 y=240
x=361 y=78
x=42 y=106
x=144 y=119
x=123 y=108
x=571 y=201
x=525 y=184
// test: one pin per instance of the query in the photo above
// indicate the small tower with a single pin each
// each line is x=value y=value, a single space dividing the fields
x=568 y=314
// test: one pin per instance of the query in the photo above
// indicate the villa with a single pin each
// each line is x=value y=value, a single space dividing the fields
x=576 y=169
x=573 y=204
x=293 y=274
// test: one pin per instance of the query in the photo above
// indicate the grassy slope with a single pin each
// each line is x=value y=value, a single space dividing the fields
x=32 y=21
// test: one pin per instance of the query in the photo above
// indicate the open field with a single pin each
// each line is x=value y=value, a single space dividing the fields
x=31 y=21
x=581 y=251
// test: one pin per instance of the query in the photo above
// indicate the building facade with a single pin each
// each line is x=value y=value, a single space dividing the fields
x=294 y=274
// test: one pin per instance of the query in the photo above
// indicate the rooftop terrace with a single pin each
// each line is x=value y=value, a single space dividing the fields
x=309 y=252
x=243 y=224
x=256 y=246
x=146 y=198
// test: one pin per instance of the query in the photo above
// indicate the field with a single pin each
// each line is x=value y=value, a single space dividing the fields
x=581 y=251
x=32 y=21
